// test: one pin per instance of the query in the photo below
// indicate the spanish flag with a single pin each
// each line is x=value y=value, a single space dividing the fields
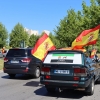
x=93 y=52
x=87 y=37
x=42 y=46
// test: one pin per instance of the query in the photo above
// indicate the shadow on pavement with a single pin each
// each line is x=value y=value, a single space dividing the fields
x=18 y=77
x=33 y=83
x=72 y=94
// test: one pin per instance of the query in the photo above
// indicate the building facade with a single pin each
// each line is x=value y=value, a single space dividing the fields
x=30 y=32
x=46 y=31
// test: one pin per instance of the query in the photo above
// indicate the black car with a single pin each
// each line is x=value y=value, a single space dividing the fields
x=21 y=61
x=69 y=69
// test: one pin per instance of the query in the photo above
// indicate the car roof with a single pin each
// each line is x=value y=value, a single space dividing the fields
x=77 y=51
x=21 y=48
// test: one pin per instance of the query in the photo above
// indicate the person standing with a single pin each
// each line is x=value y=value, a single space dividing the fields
x=94 y=55
x=3 y=49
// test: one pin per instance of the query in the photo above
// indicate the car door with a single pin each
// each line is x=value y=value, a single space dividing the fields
x=92 y=66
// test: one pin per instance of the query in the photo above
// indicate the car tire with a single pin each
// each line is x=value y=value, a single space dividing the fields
x=90 y=89
x=36 y=73
x=12 y=75
x=50 y=89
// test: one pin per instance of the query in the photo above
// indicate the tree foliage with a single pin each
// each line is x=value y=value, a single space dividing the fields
x=54 y=39
x=69 y=28
x=17 y=35
x=66 y=32
x=76 y=22
x=92 y=16
x=32 y=40
x=3 y=35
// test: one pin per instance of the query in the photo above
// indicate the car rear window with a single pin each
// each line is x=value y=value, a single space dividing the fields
x=63 y=58
x=29 y=52
x=16 y=53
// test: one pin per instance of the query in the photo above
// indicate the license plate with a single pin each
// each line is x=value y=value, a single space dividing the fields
x=61 y=71
x=14 y=61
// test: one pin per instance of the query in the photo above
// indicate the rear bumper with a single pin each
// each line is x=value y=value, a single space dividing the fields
x=65 y=84
x=18 y=71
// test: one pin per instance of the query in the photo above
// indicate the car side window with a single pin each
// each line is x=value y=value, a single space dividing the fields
x=88 y=60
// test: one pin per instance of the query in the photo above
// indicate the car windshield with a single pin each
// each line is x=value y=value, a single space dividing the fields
x=16 y=53
x=64 y=58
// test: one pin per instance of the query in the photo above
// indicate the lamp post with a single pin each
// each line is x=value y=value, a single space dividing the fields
x=22 y=44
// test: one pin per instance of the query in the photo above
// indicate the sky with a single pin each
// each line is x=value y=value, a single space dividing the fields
x=36 y=14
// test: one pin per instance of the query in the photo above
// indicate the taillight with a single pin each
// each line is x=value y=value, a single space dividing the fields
x=76 y=78
x=45 y=71
x=26 y=60
x=80 y=72
x=26 y=70
x=47 y=77
x=5 y=59
x=75 y=85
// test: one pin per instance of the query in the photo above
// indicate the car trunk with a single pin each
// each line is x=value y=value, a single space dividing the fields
x=61 y=72
x=62 y=65
x=15 y=59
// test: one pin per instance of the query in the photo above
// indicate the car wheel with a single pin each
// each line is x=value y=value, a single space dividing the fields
x=90 y=88
x=12 y=75
x=50 y=89
x=36 y=73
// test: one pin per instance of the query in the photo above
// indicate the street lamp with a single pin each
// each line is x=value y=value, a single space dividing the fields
x=22 y=44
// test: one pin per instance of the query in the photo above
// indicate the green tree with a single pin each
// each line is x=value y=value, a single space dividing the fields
x=76 y=22
x=92 y=16
x=98 y=1
x=17 y=35
x=3 y=36
x=68 y=28
x=32 y=40
x=54 y=40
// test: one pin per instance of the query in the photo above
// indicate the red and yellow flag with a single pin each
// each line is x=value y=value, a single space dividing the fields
x=42 y=46
x=87 y=37
x=93 y=52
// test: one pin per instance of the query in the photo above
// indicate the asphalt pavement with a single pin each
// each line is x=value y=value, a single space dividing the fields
x=22 y=87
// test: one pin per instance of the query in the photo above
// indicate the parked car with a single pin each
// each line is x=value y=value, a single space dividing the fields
x=1 y=55
x=21 y=61
x=69 y=69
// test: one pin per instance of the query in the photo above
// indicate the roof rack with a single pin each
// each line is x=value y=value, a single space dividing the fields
x=70 y=48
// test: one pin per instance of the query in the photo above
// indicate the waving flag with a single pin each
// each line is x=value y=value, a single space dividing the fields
x=93 y=52
x=42 y=46
x=87 y=37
